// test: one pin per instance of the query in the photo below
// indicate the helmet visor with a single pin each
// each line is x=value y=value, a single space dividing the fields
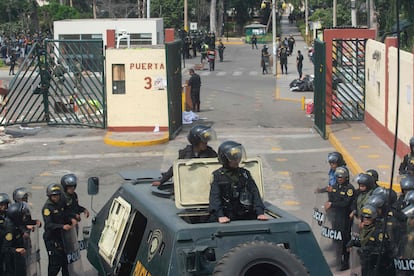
x=236 y=154
x=208 y=135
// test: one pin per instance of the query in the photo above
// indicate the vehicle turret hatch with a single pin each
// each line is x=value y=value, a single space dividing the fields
x=192 y=179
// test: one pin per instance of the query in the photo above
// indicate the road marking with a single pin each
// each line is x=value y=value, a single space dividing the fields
x=81 y=156
x=221 y=74
x=237 y=73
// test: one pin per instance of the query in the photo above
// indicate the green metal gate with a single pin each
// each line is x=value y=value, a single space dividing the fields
x=319 y=95
x=348 y=79
x=61 y=82
x=174 y=87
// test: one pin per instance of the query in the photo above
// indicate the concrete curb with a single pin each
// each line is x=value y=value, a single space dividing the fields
x=123 y=143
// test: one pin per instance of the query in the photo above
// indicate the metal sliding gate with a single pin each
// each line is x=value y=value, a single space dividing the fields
x=174 y=88
x=348 y=79
x=60 y=82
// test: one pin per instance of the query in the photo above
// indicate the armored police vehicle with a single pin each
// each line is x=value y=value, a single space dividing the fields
x=165 y=230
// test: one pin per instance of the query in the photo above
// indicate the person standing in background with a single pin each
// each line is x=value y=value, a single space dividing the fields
x=299 y=63
x=221 y=48
x=195 y=83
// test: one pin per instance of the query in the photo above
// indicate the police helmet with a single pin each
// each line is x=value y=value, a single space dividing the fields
x=376 y=200
x=374 y=174
x=407 y=182
x=201 y=133
x=69 y=180
x=4 y=198
x=19 y=213
x=21 y=194
x=385 y=194
x=411 y=141
x=231 y=151
x=342 y=172
x=336 y=158
x=369 y=211
x=53 y=189
x=409 y=197
x=366 y=179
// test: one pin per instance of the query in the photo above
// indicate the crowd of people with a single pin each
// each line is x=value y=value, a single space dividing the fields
x=370 y=221
x=61 y=213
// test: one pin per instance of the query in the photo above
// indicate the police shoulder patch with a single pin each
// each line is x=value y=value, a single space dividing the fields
x=9 y=236
x=350 y=192
x=46 y=212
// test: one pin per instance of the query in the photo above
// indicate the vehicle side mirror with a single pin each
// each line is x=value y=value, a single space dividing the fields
x=93 y=185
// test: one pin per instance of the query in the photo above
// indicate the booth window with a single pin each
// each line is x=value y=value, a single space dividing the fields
x=118 y=78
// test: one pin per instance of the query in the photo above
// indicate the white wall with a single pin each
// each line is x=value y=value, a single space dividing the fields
x=155 y=26
x=144 y=105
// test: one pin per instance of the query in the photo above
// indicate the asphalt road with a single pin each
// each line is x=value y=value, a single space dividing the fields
x=236 y=99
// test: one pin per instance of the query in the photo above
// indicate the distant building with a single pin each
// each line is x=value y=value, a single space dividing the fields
x=42 y=2
x=141 y=31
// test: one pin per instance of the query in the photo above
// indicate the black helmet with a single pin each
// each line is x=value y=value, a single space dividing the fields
x=21 y=194
x=385 y=194
x=411 y=141
x=374 y=174
x=369 y=211
x=407 y=182
x=201 y=133
x=376 y=201
x=69 y=180
x=336 y=158
x=19 y=213
x=4 y=198
x=409 y=197
x=342 y=172
x=53 y=189
x=366 y=179
x=231 y=151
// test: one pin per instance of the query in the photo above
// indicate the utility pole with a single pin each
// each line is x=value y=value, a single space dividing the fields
x=334 y=14
x=185 y=15
x=274 y=34
x=306 y=22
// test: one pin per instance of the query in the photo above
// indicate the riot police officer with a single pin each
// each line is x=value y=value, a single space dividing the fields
x=376 y=250
x=56 y=220
x=335 y=160
x=69 y=183
x=199 y=136
x=366 y=187
x=407 y=164
x=374 y=175
x=12 y=248
x=4 y=205
x=234 y=194
x=21 y=194
x=406 y=184
x=339 y=203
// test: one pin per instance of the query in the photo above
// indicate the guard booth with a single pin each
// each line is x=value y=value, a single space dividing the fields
x=258 y=29
x=144 y=88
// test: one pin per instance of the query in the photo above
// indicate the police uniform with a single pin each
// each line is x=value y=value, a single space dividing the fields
x=371 y=238
x=13 y=263
x=188 y=153
x=341 y=199
x=72 y=204
x=55 y=217
x=234 y=194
